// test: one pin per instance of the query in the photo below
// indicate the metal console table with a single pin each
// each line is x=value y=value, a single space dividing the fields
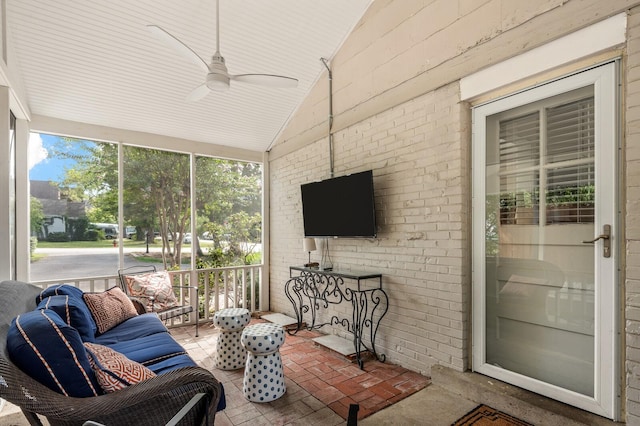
x=313 y=289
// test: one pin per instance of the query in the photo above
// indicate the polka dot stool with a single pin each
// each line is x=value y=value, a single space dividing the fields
x=230 y=355
x=263 y=374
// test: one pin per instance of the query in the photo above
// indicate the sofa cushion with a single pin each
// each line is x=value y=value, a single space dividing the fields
x=133 y=328
x=49 y=350
x=109 y=308
x=74 y=312
x=75 y=294
x=149 y=350
x=172 y=363
x=114 y=370
x=155 y=289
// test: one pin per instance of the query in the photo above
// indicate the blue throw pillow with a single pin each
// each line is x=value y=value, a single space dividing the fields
x=74 y=312
x=60 y=289
x=75 y=295
x=42 y=345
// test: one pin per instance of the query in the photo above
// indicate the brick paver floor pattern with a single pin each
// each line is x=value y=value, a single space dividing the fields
x=321 y=384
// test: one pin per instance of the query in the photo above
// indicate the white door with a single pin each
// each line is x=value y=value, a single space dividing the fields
x=544 y=185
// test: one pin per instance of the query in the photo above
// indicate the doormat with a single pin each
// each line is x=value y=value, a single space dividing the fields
x=484 y=415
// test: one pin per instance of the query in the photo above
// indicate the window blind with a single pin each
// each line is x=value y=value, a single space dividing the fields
x=570 y=145
x=556 y=151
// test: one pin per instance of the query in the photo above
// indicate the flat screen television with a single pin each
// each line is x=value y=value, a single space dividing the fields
x=339 y=207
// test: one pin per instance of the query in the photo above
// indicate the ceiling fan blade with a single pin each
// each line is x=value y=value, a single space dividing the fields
x=198 y=93
x=266 y=80
x=180 y=48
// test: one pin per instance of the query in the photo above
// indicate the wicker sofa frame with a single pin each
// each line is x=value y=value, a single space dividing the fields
x=152 y=402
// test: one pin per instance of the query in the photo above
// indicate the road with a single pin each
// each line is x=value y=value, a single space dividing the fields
x=70 y=263
x=73 y=263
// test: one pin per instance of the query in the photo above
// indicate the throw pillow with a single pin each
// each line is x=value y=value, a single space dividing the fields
x=154 y=288
x=109 y=308
x=74 y=293
x=59 y=289
x=74 y=312
x=42 y=345
x=114 y=370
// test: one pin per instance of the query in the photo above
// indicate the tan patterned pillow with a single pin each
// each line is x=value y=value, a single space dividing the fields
x=154 y=289
x=113 y=370
x=109 y=308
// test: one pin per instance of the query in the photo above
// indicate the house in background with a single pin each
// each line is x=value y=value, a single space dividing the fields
x=502 y=136
x=56 y=210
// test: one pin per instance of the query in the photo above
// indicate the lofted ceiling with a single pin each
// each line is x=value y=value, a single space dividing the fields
x=96 y=62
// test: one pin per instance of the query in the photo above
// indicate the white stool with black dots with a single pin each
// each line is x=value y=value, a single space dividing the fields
x=263 y=374
x=230 y=355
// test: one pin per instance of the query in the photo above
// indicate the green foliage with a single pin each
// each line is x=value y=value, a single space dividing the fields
x=33 y=245
x=237 y=237
x=214 y=258
x=93 y=178
x=253 y=259
x=36 y=214
x=513 y=199
x=93 y=235
x=571 y=195
x=157 y=197
x=58 y=237
x=158 y=185
x=78 y=228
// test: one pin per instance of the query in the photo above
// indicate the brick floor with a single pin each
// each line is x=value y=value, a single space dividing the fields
x=321 y=384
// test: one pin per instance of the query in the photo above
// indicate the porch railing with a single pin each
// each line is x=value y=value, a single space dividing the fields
x=219 y=288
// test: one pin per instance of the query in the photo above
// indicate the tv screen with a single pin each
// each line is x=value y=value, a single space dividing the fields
x=339 y=207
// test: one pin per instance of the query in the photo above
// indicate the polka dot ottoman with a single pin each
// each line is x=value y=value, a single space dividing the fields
x=230 y=355
x=263 y=374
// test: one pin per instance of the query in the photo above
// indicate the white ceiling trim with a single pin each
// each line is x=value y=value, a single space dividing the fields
x=74 y=129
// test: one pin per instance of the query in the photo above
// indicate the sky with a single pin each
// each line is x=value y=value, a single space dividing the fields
x=41 y=165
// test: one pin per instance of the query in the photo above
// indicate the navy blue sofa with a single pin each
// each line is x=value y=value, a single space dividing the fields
x=55 y=380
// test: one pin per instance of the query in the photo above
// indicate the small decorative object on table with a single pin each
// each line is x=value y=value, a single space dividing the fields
x=230 y=355
x=309 y=245
x=263 y=374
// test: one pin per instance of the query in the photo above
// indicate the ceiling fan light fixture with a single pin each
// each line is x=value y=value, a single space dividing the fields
x=217 y=82
x=218 y=77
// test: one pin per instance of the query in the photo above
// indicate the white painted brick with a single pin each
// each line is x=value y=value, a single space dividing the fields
x=420 y=156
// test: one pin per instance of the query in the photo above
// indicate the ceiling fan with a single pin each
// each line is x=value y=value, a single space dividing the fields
x=218 y=78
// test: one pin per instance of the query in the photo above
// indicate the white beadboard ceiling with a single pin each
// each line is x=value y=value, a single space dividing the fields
x=95 y=62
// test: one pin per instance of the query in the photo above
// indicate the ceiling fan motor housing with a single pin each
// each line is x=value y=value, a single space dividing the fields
x=218 y=76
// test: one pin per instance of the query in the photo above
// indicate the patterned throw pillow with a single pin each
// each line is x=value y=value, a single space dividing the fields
x=156 y=285
x=109 y=308
x=114 y=370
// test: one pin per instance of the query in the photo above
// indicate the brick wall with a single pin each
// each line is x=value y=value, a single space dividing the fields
x=632 y=177
x=419 y=155
x=397 y=111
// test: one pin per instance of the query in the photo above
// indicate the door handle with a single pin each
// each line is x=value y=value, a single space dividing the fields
x=606 y=243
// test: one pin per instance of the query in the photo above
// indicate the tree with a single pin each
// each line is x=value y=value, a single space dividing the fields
x=159 y=182
x=93 y=178
x=36 y=215
x=244 y=233
x=157 y=192
x=228 y=188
